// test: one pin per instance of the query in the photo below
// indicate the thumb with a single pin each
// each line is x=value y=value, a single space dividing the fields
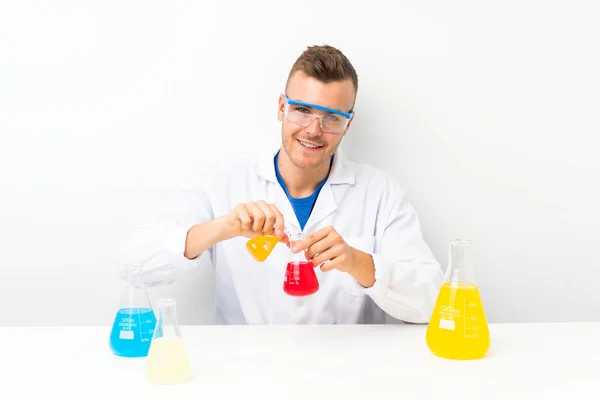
x=283 y=237
x=250 y=234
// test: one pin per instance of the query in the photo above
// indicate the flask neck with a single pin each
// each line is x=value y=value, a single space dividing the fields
x=166 y=320
x=134 y=276
x=300 y=256
x=167 y=311
x=460 y=269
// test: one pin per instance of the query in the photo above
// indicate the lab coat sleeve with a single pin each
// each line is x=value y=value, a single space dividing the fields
x=159 y=244
x=407 y=275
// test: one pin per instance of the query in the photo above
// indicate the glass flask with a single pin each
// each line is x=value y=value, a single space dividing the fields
x=300 y=278
x=168 y=362
x=261 y=246
x=134 y=323
x=458 y=328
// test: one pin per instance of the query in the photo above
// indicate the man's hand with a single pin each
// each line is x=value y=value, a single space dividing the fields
x=248 y=219
x=328 y=248
x=252 y=219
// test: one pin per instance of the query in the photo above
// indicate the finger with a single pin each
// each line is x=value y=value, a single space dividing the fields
x=244 y=216
x=250 y=234
x=268 y=227
x=327 y=255
x=279 y=220
x=257 y=216
x=339 y=261
x=310 y=239
x=330 y=265
x=283 y=238
x=319 y=247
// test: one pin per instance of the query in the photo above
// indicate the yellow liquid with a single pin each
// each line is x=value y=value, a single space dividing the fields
x=458 y=328
x=261 y=246
x=168 y=362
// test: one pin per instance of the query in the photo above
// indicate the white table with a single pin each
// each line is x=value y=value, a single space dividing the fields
x=528 y=361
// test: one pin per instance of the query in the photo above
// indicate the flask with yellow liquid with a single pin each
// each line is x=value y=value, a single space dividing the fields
x=168 y=361
x=261 y=246
x=458 y=328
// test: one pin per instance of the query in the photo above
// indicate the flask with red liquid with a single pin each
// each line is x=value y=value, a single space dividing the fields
x=300 y=278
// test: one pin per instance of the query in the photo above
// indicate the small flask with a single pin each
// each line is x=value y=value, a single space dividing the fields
x=458 y=328
x=261 y=246
x=168 y=361
x=133 y=326
x=300 y=278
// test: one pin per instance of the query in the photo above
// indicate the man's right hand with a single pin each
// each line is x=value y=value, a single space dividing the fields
x=248 y=219
x=252 y=219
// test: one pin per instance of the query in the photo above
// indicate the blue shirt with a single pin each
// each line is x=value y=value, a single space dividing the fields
x=302 y=206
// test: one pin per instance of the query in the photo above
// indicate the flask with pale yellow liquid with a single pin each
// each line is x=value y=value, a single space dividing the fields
x=168 y=361
x=458 y=328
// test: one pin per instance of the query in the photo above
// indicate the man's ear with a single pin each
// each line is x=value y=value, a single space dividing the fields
x=281 y=106
x=349 y=123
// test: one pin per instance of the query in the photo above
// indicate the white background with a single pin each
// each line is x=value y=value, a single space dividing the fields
x=486 y=112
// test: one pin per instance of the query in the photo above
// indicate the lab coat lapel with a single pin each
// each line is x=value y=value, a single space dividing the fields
x=324 y=206
x=284 y=205
x=341 y=176
x=265 y=169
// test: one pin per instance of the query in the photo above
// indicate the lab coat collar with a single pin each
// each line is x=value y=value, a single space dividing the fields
x=342 y=170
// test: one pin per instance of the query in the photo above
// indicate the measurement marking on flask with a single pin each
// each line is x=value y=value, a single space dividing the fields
x=126 y=335
x=447 y=324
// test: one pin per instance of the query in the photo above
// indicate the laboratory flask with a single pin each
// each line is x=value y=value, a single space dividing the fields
x=300 y=278
x=133 y=326
x=261 y=246
x=458 y=328
x=168 y=362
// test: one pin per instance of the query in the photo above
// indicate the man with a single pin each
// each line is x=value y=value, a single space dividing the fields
x=360 y=232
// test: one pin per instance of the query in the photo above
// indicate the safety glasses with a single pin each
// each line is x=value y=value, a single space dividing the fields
x=301 y=113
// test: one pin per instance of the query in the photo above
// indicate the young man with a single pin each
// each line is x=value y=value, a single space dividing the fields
x=360 y=232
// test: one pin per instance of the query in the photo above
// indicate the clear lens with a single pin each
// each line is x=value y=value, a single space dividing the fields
x=303 y=116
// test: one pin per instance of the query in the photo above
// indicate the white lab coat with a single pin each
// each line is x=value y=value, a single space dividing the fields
x=366 y=206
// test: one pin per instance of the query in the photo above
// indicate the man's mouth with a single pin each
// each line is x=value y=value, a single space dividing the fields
x=309 y=145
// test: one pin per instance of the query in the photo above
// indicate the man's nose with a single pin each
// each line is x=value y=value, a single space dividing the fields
x=314 y=128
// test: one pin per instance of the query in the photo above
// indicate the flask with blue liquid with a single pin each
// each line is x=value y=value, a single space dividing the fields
x=133 y=326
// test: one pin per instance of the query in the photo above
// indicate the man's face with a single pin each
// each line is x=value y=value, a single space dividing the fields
x=297 y=140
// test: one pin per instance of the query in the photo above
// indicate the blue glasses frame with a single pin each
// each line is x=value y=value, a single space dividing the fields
x=318 y=107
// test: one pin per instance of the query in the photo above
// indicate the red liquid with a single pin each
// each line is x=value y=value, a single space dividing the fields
x=300 y=279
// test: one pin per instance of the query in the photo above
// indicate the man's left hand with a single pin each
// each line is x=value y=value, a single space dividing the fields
x=327 y=248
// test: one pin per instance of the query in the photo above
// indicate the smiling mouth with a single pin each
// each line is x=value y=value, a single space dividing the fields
x=308 y=145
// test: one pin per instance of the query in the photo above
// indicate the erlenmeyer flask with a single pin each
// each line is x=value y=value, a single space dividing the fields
x=458 y=328
x=300 y=278
x=261 y=246
x=168 y=361
x=134 y=323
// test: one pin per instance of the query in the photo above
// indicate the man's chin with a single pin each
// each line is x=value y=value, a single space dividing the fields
x=305 y=163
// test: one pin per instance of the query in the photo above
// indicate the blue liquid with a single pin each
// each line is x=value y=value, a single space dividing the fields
x=132 y=332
